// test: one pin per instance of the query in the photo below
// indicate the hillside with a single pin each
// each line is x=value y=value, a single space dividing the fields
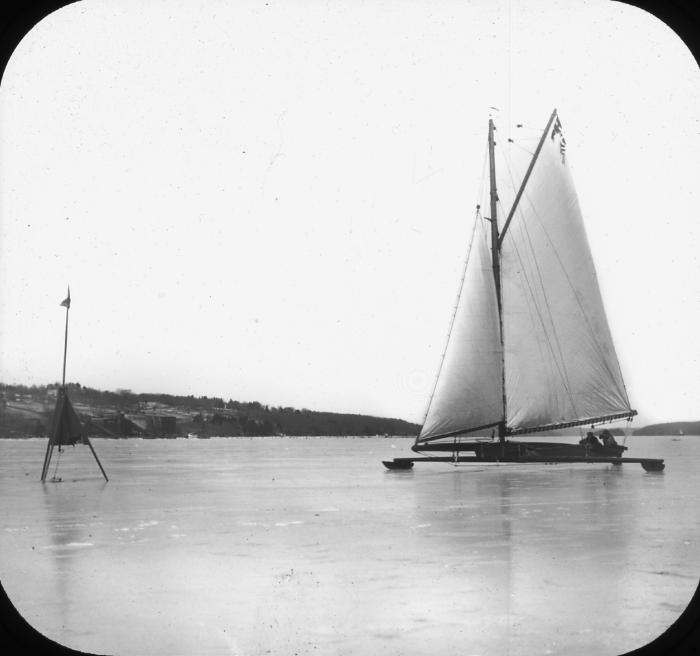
x=26 y=412
x=672 y=428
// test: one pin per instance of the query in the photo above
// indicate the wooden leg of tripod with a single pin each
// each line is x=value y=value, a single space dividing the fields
x=47 y=460
x=97 y=460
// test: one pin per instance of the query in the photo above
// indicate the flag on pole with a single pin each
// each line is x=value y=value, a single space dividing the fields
x=556 y=130
x=66 y=301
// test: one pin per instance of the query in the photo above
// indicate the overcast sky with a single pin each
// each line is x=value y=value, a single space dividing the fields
x=272 y=201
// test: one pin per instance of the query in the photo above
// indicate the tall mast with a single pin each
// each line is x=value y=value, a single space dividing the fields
x=496 y=265
x=495 y=260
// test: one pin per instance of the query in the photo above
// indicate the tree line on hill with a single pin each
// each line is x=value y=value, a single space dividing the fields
x=26 y=411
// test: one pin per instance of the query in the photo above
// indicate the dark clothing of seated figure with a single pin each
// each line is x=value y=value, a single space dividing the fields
x=590 y=441
x=608 y=439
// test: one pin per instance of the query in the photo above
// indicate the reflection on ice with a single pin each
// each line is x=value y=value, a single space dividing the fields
x=68 y=545
x=240 y=547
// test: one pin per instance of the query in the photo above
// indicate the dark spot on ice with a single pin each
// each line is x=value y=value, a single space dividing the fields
x=663 y=572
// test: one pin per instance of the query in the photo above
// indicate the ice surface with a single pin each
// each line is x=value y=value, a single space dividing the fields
x=309 y=546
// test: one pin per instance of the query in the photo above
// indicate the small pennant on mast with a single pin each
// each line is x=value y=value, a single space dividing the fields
x=557 y=130
x=66 y=301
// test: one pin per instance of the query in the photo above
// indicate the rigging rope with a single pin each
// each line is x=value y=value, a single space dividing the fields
x=482 y=183
x=515 y=143
x=626 y=429
x=55 y=470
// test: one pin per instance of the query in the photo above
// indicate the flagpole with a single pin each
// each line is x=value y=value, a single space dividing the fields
x=59 y=403
x=65 y=344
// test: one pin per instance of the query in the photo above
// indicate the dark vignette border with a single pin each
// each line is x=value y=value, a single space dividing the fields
x=18 y=17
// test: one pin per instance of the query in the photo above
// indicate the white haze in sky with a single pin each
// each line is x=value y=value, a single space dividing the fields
x=272 y=201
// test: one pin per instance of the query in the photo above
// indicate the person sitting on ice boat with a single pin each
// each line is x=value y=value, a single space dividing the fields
x=590 y=441
x=607 y=438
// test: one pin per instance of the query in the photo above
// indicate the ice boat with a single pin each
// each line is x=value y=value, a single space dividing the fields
x=529 y=349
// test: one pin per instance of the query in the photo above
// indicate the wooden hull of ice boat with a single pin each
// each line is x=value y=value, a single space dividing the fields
x=515 y=451
x=523 y=452
x=398 y=463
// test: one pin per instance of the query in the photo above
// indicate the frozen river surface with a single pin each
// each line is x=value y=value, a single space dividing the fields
x=309 y=546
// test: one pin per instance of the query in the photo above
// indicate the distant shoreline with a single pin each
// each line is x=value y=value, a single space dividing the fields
x=228 y=437
x=26 y=411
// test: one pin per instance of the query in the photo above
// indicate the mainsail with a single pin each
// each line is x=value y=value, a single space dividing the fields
x=556 y=353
